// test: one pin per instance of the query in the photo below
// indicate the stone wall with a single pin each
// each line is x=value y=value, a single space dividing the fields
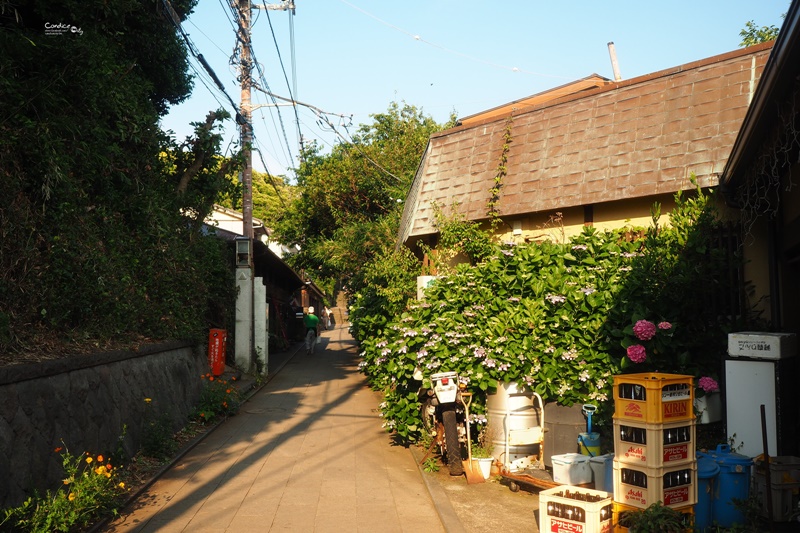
x=86 y=404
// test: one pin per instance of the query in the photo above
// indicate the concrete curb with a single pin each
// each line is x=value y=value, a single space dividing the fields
x=447 y=515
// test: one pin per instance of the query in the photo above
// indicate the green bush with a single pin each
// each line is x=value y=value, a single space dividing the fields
x=218 y=398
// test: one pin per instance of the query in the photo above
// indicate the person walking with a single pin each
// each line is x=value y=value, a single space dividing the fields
x=311 y=321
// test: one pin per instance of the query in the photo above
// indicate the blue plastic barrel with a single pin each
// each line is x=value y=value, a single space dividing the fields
x=707 y=472
x=733 y=483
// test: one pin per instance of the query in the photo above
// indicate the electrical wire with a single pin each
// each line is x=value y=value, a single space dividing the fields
x=173 y=16
x=283 y=69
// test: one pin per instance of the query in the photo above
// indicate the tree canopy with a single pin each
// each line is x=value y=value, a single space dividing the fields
x=349 y=201
x=95 y=242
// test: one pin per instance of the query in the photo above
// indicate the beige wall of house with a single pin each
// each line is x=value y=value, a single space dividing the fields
x=561 y=226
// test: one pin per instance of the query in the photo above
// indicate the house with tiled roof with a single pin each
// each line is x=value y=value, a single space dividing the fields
x=596 y=152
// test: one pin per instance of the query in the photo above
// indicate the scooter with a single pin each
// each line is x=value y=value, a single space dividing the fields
x=441 y=419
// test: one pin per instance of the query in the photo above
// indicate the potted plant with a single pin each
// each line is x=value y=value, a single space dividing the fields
x=482 y=453
x=707 y=401
x=654 y=519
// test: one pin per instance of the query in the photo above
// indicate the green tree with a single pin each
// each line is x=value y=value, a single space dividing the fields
x=752 y=34
x=94 y=240
x=349 y=201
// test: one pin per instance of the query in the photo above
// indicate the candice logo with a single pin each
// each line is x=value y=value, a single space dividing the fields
x=61 y=28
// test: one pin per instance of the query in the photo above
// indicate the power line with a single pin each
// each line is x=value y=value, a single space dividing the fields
x=285 y=77
x=176 y=21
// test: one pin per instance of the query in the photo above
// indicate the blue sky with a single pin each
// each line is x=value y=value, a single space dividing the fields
x=355 y=57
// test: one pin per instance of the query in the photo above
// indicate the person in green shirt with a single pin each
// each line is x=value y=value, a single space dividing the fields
x=311 y=321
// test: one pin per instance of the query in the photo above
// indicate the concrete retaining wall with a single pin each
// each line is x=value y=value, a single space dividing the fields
x=86 y=403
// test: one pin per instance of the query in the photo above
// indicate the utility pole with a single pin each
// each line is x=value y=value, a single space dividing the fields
x=246 y=132
x=245 y=8
x=251 y=330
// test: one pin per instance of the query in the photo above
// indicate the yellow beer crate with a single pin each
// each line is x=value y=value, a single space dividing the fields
x=653 y=397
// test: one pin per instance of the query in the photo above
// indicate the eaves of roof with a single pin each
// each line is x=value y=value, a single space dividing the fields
x=781 y=74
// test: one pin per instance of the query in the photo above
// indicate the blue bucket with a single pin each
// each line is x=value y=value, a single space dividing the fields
x=589 y=443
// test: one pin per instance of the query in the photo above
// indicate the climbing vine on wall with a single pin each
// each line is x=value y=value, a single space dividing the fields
x=492 y=205
x=760 y=193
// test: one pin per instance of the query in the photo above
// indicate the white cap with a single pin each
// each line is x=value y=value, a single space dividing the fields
x=310 y=308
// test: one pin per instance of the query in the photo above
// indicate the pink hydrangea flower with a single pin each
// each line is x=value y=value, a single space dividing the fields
x=637 y=353
x=708 y=384
x=664 y=326
x=644 y=330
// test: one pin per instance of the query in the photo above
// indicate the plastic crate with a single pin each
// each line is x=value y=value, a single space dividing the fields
x=782 y=468
x=641 y=487
x=565 y=509
x=785 y=498
x=571 y=469
x=620 y=510
x=654 y=398
x=654 y=445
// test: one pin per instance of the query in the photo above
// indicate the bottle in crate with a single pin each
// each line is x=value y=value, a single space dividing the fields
x=653 y=397
x=641 y=487
x=572 y=509
x=654 y=445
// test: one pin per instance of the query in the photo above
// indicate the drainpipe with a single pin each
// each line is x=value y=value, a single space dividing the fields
x=773 y=241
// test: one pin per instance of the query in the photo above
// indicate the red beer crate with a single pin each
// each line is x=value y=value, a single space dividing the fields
x=570 y=509
x=621 y=511
x=654 y=445
x=640 y=487
x=653 y=398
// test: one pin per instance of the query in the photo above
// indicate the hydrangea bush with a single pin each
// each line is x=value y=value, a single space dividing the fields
x=562 y=318
x=534 y=314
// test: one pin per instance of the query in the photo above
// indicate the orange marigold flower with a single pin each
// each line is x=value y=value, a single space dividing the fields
x=211 y=378
x=99 y=458
x=228 y=391
x=108 y=466
x=58 y=449
x=203 y=415
x=224 y=404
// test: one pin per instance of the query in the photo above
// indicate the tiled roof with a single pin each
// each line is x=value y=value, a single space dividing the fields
x=627 y=139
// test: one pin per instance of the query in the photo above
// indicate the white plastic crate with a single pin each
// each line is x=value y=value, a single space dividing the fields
x=641 y=487
x=571 y=469
x=566 y=509
x=785 y=498
x=654 y=445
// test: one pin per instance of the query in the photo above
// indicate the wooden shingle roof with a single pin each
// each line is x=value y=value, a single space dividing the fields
x=627 y=139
